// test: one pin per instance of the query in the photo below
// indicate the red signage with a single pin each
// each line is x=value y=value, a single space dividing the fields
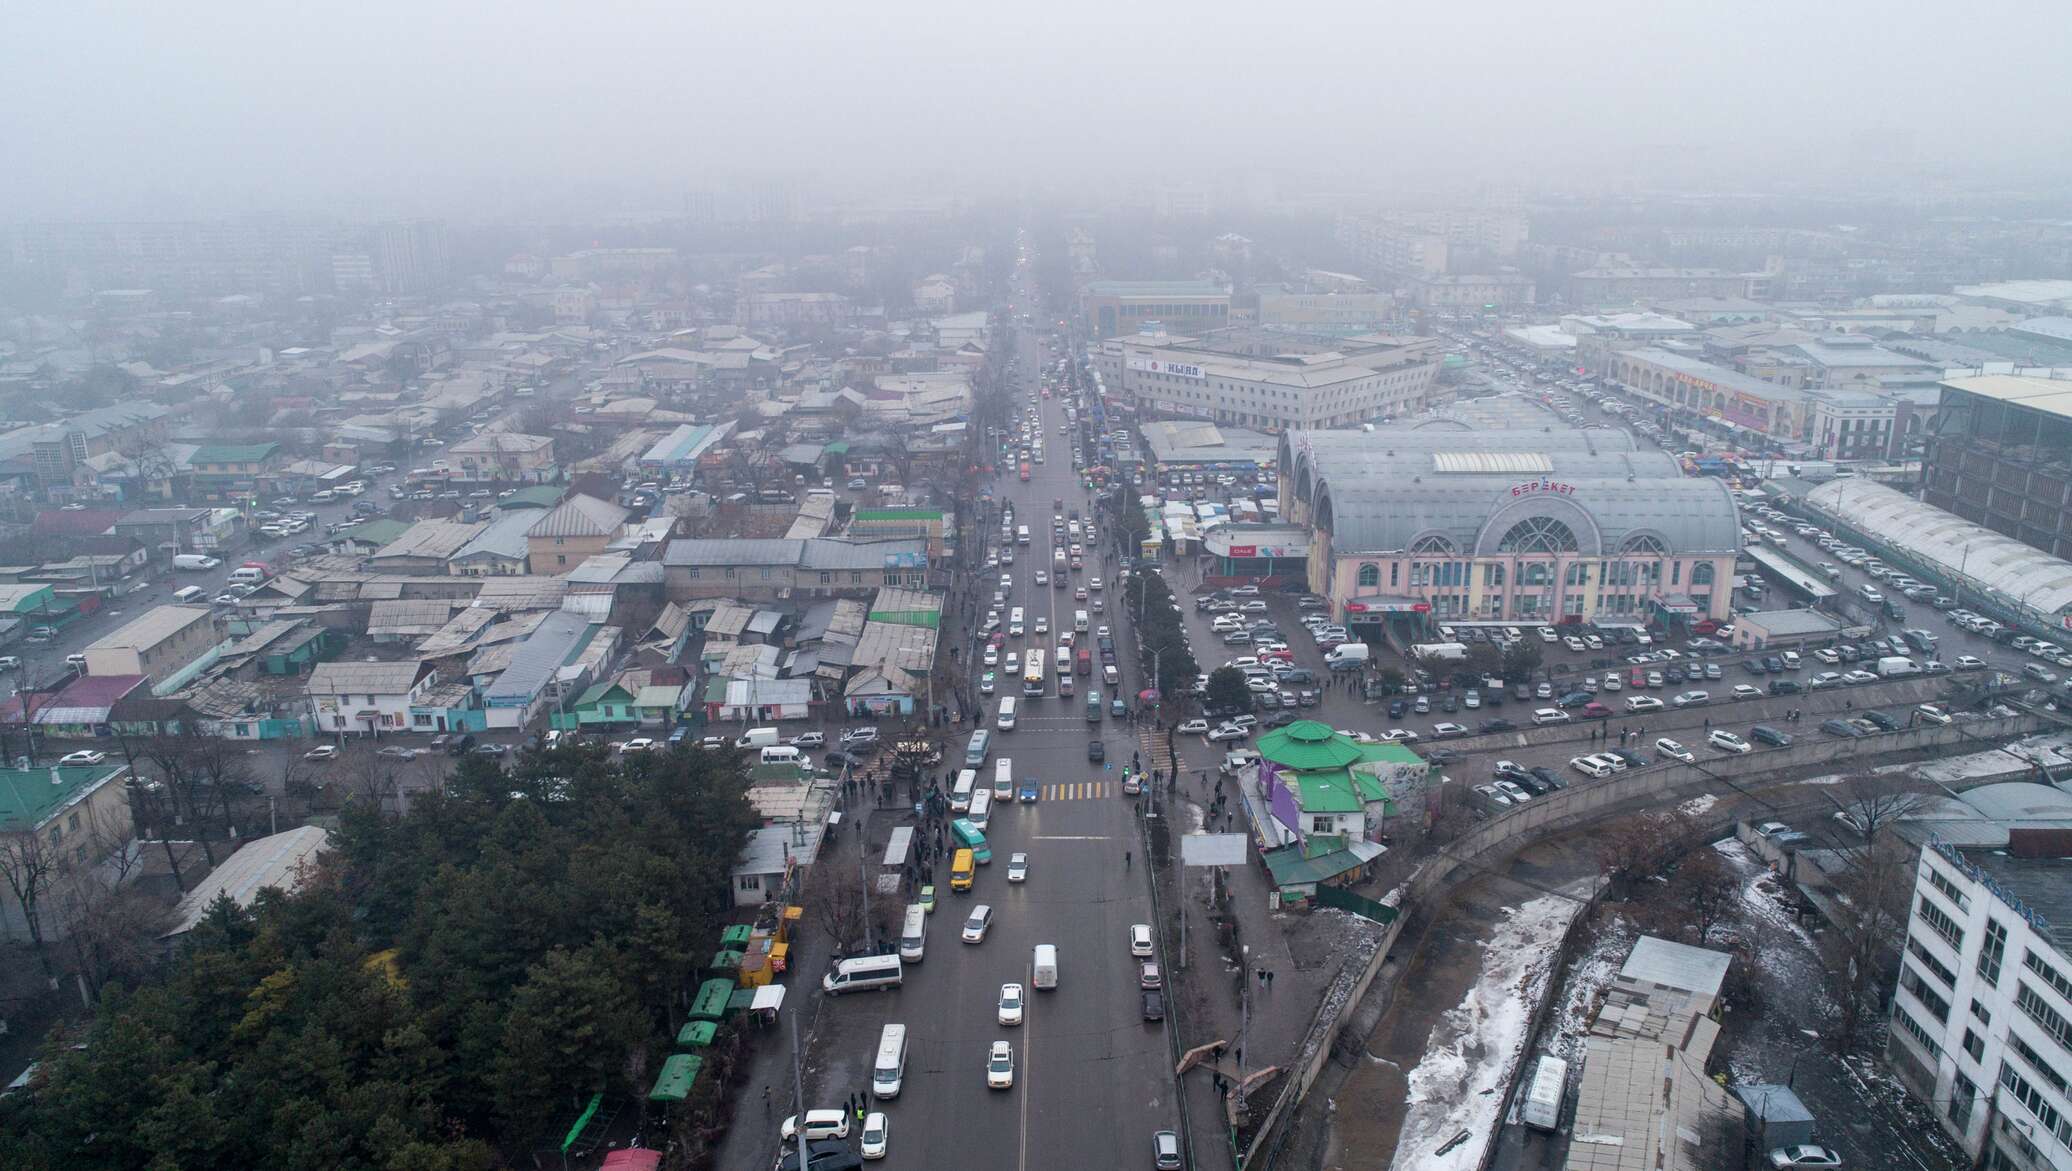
x=1244 y=550
x=1543 y=484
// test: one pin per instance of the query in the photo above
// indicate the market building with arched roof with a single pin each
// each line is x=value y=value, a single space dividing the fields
x=1523 y=526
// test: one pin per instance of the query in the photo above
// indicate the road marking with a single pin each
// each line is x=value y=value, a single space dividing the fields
x=1028 y=1059
x=1070 y=838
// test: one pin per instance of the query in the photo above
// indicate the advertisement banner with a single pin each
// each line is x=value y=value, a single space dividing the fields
x=1161 y=366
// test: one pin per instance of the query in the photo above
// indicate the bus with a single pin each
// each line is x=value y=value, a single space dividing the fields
x=1032 y=674
x=960 y=796
x=1064 y=672
x=967 y=836
x=1093 y=706
x=981 y=809
x=1003 y=779
x=961 y=871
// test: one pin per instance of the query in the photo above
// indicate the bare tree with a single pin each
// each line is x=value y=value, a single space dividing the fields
x=29 y=864
x=838 y=907
x=1637 y=847
x=1873 y=892
x=112 y=927
x=1704 y=892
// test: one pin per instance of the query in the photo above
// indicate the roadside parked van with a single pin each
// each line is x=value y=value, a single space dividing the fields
x=190 y=594
x=863 y=974
x=782 y=754
x=1540 y=1106
x=913 y=934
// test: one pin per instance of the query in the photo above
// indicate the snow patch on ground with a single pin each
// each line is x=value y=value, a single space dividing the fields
x=1461 y=1082
x=1585 y=982
x=1697 y=806
x=2048 y=747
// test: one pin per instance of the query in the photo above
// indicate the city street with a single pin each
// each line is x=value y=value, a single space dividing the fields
x=1092 y=1077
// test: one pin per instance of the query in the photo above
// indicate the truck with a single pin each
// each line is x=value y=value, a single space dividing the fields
x=1539 y=1106
x=195 y=562
x=758 y=738
x=1348 y=656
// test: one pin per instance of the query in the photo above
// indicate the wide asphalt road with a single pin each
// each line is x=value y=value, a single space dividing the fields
x=1092 y=1078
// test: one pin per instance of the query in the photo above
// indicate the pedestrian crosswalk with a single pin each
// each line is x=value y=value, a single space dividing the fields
x=1081 y=790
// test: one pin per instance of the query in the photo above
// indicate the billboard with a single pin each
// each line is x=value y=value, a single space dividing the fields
x=1161 y=366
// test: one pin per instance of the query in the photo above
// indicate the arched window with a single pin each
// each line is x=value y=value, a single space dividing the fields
x=1538 y=534
x=1431 y=545
x=1642 y=544
x=1370 y=575
x=1701 y=573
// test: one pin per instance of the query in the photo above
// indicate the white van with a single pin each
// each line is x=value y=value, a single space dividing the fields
x=1540 y=1107
x=194 y=561
x=1021 y=535
x=782 y=754
x=981 y=811
x=913 y=934
x=1079 y=621
x=1003 y=779
x=863 y=974
x=1046 y=965
x=190 y=594
x=960 y=793
x=1007 y=711
x=1590 y=766
x=248 y=574
x=1014 y=622
x=888 y=1070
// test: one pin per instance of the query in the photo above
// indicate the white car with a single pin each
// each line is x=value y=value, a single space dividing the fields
x=1399 y=736
x=1969 y=663
x=1447 y=728
x=1042 y=577
x=1551 y=715
x=977 y=924
x=985 y=683
x=637 y=744
x=1094 y=584
x=1042 y=625
x=1572 y=642
x=1747 y=691
x=1018 y=868
x=1223 y=732
x=1726 y=741
x=992 y=656
x=809 y=740
x=1010 y=1012
x=820 y=1124
x=1140 y=940
x=1675 y=750
x=322 y=752
x=83 y=756
x=1193 y=728
x=1691 y=698
x=1000 y=1066
x=876 y=1132
x=1643 y=703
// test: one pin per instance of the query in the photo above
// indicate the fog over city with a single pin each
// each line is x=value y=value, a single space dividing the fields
x=531 y=107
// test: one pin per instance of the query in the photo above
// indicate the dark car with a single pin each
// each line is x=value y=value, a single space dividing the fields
x=1308 y=697
x=1765 y=734
x=840 y=758
x=1299 y=675
x=824 y=1155
x=1530 y=784
x=1547 y=776
x=1632 y=759
x=1096 y=751
x=1522 y=693
x=1280 y=719
x=1442 y=756
x=491 y=749
x=1154 y=1005
x=1881 y=720
x=1397 y=707
x=1574 y=699
x=1673 y=675
x=1448 y=703
x=1784 y=687
x=1842 y=728
x=1752 y=667
x=460 y=744
x=1496 y=726
x=1774 y=665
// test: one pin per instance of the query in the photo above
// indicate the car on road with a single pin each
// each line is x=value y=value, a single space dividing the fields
x=84 y=756
x=1000 y=1066
x=322 y=752
x=1969 y=663
x=637 y=744
x=977 y=924
x=839 y=759
x=1153 y=1001
x=1860 y=677
x=1011 y=1003
x=1643 y=703
x=820 y=1124
x=1549 y=715
x=809 y=740
x=876 y=1133
x=857 y=736
x=396 y=752
x=1674 y=750
x=1018 y=868
x=1223 y=732
x=1446 y=728
x=1165 y=1150
x=1726 y=741
x=1825 y=679
x=1140 y=939
x=1789 y=1158
x=1691 y=698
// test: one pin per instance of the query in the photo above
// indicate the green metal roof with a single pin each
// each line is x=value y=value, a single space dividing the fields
x=678 y=1074
x=696 y=1035
x=711 y=1003
x=539 y=496
x=929 y=618
x=899 y=514
x=1326 y=793
x=1389 y=753
x=377 y=532
x=1308 y=745
x=1290 y=867
x=232 y=453
x=28 y=796
x=838 y=447
x=595 y=693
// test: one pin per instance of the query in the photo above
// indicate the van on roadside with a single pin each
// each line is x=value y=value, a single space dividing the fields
x=913 y=934
x=888 y=1069
x=863 y=974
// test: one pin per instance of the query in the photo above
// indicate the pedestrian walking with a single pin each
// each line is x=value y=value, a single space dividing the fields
x=766 y=1101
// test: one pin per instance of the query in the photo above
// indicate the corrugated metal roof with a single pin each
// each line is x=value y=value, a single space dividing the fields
x=2023 y=574
x=1509 y=462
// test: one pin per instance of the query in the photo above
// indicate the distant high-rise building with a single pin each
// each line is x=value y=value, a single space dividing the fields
x=412 y=256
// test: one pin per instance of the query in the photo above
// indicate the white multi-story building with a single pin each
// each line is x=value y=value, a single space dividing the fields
x=1982 y=1020
x=1270 y=380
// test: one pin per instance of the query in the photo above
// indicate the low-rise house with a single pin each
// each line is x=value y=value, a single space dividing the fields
x=68 y=822
x=573 y=530
x=758 y=700
x=161 y=643
x=367 y=698
x=223 y=471
x=168 y=532
x=602 y=705
x=505 y=457
x=424 y=548
x=818 y=567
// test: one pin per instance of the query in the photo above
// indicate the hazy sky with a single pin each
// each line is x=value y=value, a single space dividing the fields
x=478 y=111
